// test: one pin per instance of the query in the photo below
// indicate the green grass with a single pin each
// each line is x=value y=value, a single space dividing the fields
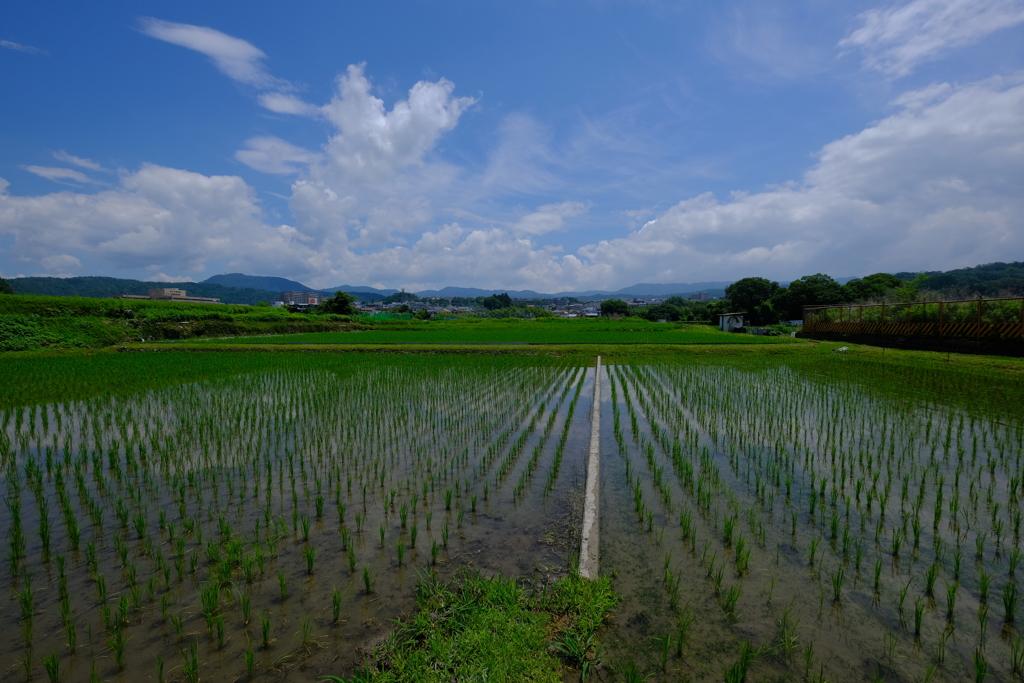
x=515 y=331
x=51 y=322
x=30 y=332
x=475 y=628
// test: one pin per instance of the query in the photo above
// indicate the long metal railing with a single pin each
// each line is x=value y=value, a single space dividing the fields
x=1001 y=318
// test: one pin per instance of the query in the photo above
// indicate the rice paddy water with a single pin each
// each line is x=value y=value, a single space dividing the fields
x=275 y=522
x=799 y=529
x=788 y=516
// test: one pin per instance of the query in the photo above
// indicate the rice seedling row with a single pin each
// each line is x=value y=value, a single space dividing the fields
x=815 y=517
x=234 y=526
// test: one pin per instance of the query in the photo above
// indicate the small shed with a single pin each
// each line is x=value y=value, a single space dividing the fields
x=730 y=322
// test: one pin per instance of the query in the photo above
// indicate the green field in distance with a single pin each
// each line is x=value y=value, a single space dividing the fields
x=521 y=332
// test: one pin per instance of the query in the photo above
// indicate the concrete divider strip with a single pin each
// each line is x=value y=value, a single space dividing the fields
x=588 y=536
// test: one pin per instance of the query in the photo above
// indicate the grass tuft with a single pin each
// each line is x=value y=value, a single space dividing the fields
x=479 y=628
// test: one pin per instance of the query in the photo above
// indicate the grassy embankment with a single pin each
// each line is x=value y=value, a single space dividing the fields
x=478 y=628
x=48 y=322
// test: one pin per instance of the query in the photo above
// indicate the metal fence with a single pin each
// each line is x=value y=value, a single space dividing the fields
x=970 y=318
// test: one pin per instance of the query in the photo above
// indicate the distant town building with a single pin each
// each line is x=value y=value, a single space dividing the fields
x=299 y=299
x=700 y=296
x=172 y=294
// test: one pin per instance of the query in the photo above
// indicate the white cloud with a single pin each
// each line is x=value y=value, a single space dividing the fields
x=372 y=141
x=65 y=263
x=769 y=39
x=933 y=186
x=61 y=155
x=60 y=174
x=175 y=219
x=520 y=161
x=164 y=277
x=274 y=155
x=895 y=40
x=283 y=103
x=548 y=218
x=28 y=49
x=376 y=179
x=235 y=58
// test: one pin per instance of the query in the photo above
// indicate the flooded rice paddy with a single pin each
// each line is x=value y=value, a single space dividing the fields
x=760 y=520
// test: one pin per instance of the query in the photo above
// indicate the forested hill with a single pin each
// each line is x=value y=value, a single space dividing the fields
x=990 y=279
x=104 y=287
x=271 y=284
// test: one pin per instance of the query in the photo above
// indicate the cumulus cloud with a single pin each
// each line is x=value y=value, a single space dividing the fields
x=237 y=59
x=376 y=179
x=373 y=182
x=60 y=174
x=931 y=186
x=172 y=218
x=895 y=40
x=371 y=140
x=274 y=155
x=936 y=184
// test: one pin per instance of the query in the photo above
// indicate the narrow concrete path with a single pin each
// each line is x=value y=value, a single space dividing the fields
x=588 y=537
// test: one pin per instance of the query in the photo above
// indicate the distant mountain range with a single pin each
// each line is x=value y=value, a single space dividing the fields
x=267 y=283
x=280 y=284
x=237 y=288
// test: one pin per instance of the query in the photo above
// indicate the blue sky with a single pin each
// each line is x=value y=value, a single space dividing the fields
x=544 y=145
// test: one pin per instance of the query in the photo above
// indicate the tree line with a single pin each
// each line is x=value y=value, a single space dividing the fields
x=765 y=302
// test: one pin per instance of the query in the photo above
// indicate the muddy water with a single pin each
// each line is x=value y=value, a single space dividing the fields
x=530 y=535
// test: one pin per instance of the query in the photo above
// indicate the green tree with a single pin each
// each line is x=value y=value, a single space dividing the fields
x=809 y=290
x=400 y=298
x=907 y=292
x=662 y=311
x=496 y=301
x=342 y=303
x=5 y=287
x=614 y=307
x=872 y=287
x=750 y=294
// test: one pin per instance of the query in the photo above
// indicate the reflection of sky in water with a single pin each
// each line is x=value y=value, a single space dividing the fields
x=776 y=424
x=303 y=434
x=257 y=443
